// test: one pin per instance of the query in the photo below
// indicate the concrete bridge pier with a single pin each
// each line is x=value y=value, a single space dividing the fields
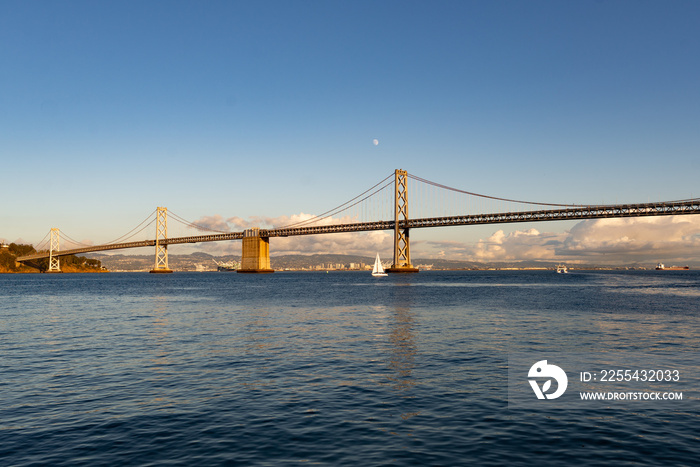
x=256 y=253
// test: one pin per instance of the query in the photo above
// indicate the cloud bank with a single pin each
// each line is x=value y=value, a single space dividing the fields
x=606 y=241
x=364 y=243
x=674 y=239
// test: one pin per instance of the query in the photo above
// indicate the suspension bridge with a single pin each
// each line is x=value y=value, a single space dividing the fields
x=385 y=206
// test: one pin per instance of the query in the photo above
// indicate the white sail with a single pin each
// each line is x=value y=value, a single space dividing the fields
x=378 y=270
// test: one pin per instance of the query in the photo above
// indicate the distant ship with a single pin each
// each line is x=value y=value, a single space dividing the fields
x=662 y=267
x=561 y=269
x=227 y=267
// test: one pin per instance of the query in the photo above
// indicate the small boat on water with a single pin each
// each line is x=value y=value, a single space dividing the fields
x=230 y=266
x=662 y=267
x=562 y=269
x=378 y=270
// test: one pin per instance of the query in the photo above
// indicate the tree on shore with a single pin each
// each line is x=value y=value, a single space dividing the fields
x=8 y=259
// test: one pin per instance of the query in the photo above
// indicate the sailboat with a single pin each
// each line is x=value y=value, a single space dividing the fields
x=378 y=270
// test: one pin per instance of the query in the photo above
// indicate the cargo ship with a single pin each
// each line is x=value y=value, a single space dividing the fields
x=227 y=267
x=662 y=267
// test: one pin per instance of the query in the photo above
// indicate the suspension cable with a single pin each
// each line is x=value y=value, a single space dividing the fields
x=126 y=235
x=192 y=224
x=73 y=241
x=525 y=202
x=337 y=209
x=143 y=228
x=43 y=240
x=491 y=197
x=333 y=212
x=42 y=246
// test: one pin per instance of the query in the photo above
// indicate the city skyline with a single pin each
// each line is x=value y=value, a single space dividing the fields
x=236 y=111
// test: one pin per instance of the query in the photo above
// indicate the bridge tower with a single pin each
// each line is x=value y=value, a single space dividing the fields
x=54 y=263
x=161 y=266
x=256 y=253
x=402 y=250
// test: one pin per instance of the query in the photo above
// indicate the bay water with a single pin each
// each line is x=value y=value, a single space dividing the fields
x=340 y=368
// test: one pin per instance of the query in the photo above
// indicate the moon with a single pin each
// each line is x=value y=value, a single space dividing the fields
x=375 y=141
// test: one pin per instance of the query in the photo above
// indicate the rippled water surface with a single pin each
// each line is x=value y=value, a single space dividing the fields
x=331 y=369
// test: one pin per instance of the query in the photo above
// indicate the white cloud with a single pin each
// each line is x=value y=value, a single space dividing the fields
x=528 y=244
x=647 y=239
x=215 y=222
x=674 y=239
x=364 y=243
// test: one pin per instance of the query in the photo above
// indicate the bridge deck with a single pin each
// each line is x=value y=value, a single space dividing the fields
x=669 y=208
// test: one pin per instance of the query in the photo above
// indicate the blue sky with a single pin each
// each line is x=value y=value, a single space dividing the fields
x=269 y=108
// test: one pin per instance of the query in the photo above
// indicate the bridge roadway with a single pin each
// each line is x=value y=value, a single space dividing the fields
x=668 y=208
